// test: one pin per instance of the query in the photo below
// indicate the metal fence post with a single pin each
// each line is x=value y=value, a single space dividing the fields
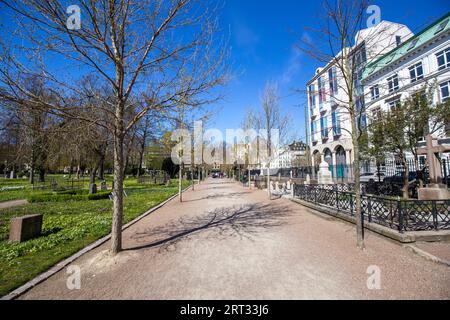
x=401 y=226
x=351 y=204
x=369 y=208
x=337 y=199
x=434 y=213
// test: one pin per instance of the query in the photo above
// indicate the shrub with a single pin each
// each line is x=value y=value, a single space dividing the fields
x=70 y=195
x=99 y=195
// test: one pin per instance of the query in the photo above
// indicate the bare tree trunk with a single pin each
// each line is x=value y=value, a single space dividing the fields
x=405 y=189
x=356 y=163
x=116 y=235
x=32 y=174
x=180 y=178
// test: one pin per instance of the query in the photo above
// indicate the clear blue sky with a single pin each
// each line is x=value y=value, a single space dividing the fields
x=263 y=49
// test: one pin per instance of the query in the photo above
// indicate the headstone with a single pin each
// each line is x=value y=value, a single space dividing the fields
x=12 y=175
x=324 y=176
x=25 y=228
x=308 y=179
x=435 y=190
x=103 y=186
x=92 y=188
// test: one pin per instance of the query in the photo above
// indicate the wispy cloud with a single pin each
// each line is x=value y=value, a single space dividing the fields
x=245 y=37
x=293 y=66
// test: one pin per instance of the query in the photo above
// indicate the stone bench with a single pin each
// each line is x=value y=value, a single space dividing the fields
x=25 y=228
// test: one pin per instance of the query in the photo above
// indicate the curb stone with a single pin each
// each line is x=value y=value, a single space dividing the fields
x=426 y=255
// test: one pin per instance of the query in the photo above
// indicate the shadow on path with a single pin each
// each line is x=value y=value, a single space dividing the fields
x=220 y=195
x=244 y=222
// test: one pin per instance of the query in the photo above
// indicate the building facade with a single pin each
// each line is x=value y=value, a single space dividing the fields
x=418 y=65
x=329 y=123
x=290 y=156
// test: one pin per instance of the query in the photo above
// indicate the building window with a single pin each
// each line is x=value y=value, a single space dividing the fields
x=393 y=83
x=416 y=72
x=443 y=59
x=312 y=97
x=333 y=81
x=375 y=92
x=441 y=26
x=322 y=92
x=413 y=44
x=376 y=114
x=398 y=40
x=394 y=103
x=445 y=90
x=359 y=103
x=324 y=127
x=336 y=122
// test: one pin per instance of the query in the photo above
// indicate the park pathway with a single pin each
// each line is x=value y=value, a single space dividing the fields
x=12 y=203
x=228 y=242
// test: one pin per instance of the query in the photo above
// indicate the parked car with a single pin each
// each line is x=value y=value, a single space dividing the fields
x=372 y=176
x=398 y=178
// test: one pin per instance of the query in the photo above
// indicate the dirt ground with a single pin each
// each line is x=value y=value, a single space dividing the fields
x=227 y=242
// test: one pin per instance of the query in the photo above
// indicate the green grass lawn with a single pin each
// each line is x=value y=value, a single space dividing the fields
x=15 y=189
x=68 y=227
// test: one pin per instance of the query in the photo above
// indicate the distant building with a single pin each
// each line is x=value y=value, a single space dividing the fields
x=290 y=156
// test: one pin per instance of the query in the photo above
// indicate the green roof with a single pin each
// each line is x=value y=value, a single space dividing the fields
x=412 y=43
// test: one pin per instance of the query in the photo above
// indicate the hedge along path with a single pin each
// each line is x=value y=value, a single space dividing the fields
x=61 y=265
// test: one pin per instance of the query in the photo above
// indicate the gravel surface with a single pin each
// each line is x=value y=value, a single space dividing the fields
x=12 y=203
x=438 y=249
x=226 y=242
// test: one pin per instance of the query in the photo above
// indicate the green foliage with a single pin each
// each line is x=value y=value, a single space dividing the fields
x=68 y=195
x=169 y=167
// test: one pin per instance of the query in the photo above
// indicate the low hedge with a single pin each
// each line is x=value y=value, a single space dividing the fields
x=70 y=195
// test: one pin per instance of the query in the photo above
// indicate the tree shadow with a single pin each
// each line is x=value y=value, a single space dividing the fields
x=219 y=195
x=223 y=223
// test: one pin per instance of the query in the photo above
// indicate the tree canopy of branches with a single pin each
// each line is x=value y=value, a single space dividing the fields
x=140 y=53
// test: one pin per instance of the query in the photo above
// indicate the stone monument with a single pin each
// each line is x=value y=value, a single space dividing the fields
x=92 y=188
x=324 y=175
x=436 y=190
x=308 y=179
x=25 y=228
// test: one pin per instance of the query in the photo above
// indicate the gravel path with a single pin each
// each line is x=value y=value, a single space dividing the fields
x=226 y=242
x=12 y=203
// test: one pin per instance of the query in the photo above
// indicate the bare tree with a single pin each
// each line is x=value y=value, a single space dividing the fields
x=268 y=117
x=131 y=47
x=339 y=45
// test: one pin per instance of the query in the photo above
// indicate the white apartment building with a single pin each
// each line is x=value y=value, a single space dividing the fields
x=329 y=123
x=286 y=156
x=421 y=63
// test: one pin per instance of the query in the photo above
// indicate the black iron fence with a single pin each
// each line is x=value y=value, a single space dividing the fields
x=397 y=214
x=61 y=184
x=154 y=177
x=345 y=172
